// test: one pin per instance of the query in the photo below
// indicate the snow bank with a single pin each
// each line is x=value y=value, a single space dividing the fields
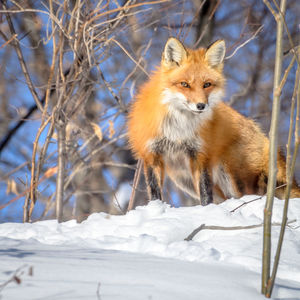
x=160 y=230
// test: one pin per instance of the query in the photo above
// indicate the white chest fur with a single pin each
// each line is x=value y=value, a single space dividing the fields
x=181 y=125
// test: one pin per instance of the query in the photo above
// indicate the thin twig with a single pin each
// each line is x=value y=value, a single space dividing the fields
x=246 y=42
x=136 y=180
x=9 y=41
x=269 y=6
x=50 y=172
x=282 y=15
x=33 y=184
x=94 y=152
x=7 y=175
x=16 y=276
x=108 y=86
x=285 y=75
x=245 y=203
x=54 y=53
x=214 y=227
x=118 y=203
x=256 y=199
x=142 y=56
x=22 y=61
x=98 y=16
x=128 y=54
x=43 y=152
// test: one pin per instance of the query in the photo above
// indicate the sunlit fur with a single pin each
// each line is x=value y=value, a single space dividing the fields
x=171 y=136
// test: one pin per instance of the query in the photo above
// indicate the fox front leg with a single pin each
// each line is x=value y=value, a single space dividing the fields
x=206 y=194
x=153 y=182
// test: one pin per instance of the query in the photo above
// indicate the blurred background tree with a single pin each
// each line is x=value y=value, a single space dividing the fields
x=85 y=60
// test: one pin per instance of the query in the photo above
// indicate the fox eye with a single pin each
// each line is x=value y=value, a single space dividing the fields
x=185 y=84
x=206 y=85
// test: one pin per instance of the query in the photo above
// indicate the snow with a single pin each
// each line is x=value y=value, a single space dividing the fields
x=143 y=254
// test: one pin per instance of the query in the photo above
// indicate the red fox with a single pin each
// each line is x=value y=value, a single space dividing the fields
x=178 y=125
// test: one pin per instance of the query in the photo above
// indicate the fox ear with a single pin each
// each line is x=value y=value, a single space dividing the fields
x=174 y=53
x=215 y=53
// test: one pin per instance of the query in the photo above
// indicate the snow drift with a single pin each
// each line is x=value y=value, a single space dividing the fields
x=216 y=264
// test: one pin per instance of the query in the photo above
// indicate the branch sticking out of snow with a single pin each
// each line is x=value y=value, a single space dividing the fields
x=213 y=227
x=16 y=277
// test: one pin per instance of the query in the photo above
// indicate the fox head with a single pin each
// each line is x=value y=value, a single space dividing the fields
x=193 y=79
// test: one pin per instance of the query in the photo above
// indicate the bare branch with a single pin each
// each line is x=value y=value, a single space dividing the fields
x=61 y=130
x=273 y=152
x=246 y=42
x=136 y=180
x=213 y=227
x=22 y=62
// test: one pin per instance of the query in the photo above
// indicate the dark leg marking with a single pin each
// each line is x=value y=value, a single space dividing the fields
x=206 y=194
x=260 y=184
x=240 y=185
x=153 y=185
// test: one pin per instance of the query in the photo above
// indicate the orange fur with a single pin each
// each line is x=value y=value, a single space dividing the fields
x=169 y=131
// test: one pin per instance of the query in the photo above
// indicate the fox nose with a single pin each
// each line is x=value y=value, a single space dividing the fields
x=200 y=106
